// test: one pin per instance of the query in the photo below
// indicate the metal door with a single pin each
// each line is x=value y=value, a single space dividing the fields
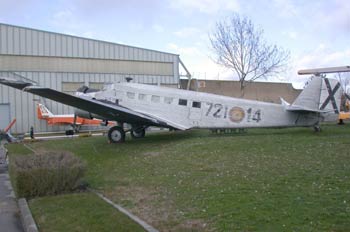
x=195 y=111
x=4 y=115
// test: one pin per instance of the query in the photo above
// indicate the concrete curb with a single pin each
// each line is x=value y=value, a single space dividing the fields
x=26 y=216
x=142 y=223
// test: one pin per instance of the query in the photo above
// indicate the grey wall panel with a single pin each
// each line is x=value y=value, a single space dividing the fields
x=22 y=41
x=52 y=42
x=3 y=44
x=64 y=46
x=80 y=48
x=72 y=47
x=47 y=47
x=10 y=40
x=15 y=41
x=85 y=44
x=40 y=43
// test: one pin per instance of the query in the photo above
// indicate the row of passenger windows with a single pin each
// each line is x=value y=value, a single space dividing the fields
x=167 y=100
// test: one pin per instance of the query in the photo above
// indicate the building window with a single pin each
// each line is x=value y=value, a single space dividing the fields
x=142 y=97
x=155 y=99
x=96 y=85
x=196 y=104
x=168 y=100
x=130 y=95
x=71 y=87
x=182 y=102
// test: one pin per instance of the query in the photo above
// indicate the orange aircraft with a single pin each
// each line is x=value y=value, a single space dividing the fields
x=67 y=119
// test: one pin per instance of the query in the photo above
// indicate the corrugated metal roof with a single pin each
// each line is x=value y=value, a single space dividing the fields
x=84 y=38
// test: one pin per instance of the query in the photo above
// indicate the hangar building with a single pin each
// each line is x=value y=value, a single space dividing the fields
x=65 y=62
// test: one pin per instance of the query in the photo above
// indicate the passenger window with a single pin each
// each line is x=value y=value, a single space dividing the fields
x=142 y=97
x=130 y=95
x=168 y=100
x=155 y=99
x=182 y=102
x=196 y=104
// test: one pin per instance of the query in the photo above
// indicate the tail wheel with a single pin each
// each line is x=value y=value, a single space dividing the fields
x=116 y=134
x=138 y=133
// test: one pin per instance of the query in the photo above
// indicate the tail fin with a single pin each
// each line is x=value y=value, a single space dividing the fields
x=43 y=112
x=320 y=95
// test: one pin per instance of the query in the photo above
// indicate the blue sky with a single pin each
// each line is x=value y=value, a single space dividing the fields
x=317 y=32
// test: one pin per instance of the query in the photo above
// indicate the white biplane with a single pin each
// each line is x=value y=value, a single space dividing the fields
x=142 y=106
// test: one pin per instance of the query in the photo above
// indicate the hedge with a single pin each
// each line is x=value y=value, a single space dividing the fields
x=46 y=173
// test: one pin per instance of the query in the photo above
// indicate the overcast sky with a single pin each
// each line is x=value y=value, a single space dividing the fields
x=317 y=32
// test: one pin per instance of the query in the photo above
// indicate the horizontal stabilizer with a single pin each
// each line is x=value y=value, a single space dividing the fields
x=305 y=109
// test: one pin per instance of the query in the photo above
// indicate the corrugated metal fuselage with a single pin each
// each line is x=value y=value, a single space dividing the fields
x=201 y=110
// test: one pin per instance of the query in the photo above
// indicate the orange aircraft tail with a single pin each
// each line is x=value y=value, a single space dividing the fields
x=43 y=112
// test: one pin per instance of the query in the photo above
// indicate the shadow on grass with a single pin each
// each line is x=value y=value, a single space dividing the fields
x=204 y=133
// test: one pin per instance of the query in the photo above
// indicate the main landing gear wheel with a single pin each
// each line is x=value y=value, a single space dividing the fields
x=317 y=128
x=116 y=134
x=138 y=133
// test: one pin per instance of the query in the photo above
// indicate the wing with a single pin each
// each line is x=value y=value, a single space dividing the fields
x=105 y=109
x=168 y=122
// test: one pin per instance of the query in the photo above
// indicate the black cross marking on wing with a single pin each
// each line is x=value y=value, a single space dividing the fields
x=330 y=97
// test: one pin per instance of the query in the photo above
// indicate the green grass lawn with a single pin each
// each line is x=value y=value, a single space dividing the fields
x=79 y=212
x=263 y=180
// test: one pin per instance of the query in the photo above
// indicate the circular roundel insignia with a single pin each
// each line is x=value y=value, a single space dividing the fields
x=236 y=114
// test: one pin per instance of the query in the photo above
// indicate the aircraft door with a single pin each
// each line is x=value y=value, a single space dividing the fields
x=195 y=112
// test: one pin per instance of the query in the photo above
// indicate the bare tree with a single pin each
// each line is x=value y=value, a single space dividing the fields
x=239 y=46
x=344 y=80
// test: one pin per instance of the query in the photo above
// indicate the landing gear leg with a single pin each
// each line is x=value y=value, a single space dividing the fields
x=317 y=128
x=138 y=133
x=116 y=134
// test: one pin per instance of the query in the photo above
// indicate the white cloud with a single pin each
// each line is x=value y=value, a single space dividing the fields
x=337 y=18
x=157 y=28
x=199 y=63
x=64 y=18
x=291 y=34
x=205 y=6
x=66 y=21
x=187 y=51
x=286 y=8
x=323 y=57
x=187 y=32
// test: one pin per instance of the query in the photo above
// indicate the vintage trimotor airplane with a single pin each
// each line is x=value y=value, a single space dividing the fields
x=142 y=106
x=72 y=120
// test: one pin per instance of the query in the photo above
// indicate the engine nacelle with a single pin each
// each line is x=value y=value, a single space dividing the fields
x=87 y=115
x=82 y=114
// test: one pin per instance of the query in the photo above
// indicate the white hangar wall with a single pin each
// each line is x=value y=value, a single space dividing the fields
x=64 y=63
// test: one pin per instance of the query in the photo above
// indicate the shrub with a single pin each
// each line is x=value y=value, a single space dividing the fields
x=46 y=173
